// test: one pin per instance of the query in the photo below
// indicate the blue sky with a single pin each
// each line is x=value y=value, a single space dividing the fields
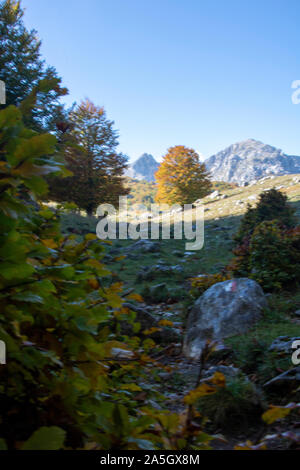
x=204 y=74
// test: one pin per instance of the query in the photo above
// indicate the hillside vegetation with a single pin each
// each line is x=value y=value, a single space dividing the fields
x=135 y=344
x=163 y=277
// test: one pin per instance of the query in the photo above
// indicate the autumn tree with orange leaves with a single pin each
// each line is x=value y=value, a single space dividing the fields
x=88 y=144
x=181 y=177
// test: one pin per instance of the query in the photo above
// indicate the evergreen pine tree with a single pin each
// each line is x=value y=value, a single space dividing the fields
x=30 y=84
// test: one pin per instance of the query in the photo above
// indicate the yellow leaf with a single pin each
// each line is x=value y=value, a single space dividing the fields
x=201 y=391
x=119 y=258
x=49 y=243
x=249 y=446
x=131 y=387
x=165 y=323
x=152 y=330
x=218 y=379
x=91 y=236
x=94 y=263
x=136 y=297
x=93 y=283
x=275 y=413
x=145 y=358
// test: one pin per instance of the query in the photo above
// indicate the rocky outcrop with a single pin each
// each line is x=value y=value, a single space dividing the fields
x=250 y=160
x=225 y=309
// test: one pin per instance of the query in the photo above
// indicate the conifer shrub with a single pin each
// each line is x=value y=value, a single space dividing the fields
x=275 y=255
x=272 y=205
x=271 y=256
x=268 y=243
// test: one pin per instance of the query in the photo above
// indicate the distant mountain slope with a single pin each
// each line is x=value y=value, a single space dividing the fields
x=143 y=168
x=250 y=160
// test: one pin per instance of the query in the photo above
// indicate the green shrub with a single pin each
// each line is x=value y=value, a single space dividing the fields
x=275 y=256
x=271 y=256
x=272 y=205
x=251 y=351
x=61 y=384
x=235 y=406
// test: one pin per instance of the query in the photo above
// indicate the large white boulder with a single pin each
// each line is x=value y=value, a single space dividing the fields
x=225 y=309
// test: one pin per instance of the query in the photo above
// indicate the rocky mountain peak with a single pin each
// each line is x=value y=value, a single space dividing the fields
x=250 y=160
x=144 y=168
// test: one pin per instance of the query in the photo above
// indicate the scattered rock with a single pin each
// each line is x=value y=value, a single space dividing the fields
x=147 y=273
x=119 y=353
x=214 y=194
x=132 y=256
x=219 y=353
x=283 y=344
x=147 y=320
x=146 y=246
x=176 y=211
x=196 y=203
x=158 y=293
x=177 y=253
x=228 y=371
x=226 y=308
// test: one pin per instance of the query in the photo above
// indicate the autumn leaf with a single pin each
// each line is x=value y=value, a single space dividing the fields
x=275 y=413
x=136 y=297
x=152 y=330
x=218 y=379
x=166 y=323
x=131 y=387
x=201 y=391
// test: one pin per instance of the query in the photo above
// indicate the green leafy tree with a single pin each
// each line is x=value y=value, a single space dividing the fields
x=66 y=383
x=30 y=84
x=58 y=322
x=88 y=143
x=181 y=177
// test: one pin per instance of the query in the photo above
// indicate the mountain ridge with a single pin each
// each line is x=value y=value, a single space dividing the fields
x=241 y=163
x=250 y=160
